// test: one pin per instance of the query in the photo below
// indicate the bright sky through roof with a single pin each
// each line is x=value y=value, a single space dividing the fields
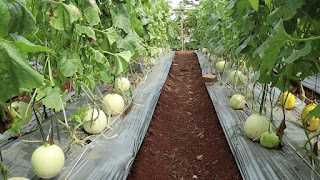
x=175 y=3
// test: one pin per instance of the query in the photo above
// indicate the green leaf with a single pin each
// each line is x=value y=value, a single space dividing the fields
x=300 y=53
x=255 y=77
x=78 y=115
x=87 y=30
x=286 y=52
x=26 y=46
x=271 y=51
x=288 y=9
x=137 y=25
x=92 y=12
x=15 y=126
x=22 y=21
x=69 y=63
x=97 y=56
x=111 y=35
x=153 y=51
x=130 y=43
x=241 y=6
x=254 y=4
x=5 y=19
x=122 y=62
x=104 y=70
x=15 y=73
x=51 y=97
x=63 y=15
x=315 y=112
x=130 y=5
x=120 y=18
x=243 y=45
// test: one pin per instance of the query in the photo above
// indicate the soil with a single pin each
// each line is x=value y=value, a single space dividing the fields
x=184 y=139
x=308 y=93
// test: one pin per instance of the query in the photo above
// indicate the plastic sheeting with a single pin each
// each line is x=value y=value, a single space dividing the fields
x=254 y=161
x=313 y=83
x=109 y=155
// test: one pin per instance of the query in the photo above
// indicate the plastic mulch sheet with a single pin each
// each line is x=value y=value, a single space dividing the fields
x=313 y=83
x=110 y=154
x=254 y=161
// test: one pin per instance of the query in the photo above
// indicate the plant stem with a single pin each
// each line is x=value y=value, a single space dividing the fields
x=263 y=98
x=39 y=124
x=4 y=171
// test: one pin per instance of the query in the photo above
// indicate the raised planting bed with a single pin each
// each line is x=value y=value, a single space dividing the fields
x=184 y=139
x=104 y=156
x=254 y=161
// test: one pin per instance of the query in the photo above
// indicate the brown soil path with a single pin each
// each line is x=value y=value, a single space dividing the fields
x=184 y=140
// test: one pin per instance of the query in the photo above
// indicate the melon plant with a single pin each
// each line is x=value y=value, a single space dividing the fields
x=212 y=58
x=152 y=61
x=113 y=104
x=19 y=111
x=222 y=65
x=220 y=59
x=236 y=78
x=149 y=61
x=47 y=161
x=311 y=123
x=237 y=101
x=269 y=139
x=121 y=85
x=255 y=126
x=204 y=50
x=287 y=100
x=94 y=121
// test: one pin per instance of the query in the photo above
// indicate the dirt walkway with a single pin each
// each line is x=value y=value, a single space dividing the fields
x=184 y=140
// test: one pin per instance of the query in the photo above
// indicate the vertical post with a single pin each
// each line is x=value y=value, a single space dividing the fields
x=182 y=19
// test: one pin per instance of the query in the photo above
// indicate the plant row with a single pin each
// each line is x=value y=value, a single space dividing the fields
x=81 y=44
x=272 y=43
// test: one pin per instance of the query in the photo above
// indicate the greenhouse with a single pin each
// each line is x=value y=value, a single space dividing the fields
x=159 y=89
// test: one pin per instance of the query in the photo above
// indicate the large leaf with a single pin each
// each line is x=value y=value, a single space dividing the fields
x=69 y=63
x=51 y=97
x=15 y=73
x=130 y=43
x=87 y=30
x=26 y=46
x=130 y=5
x=137 y=25
x=22 y=21
x=300 y=53
x=315 y=112
x=243 y=45
x=288 y=9
x=254 y=4
x=5 y=19
x=63 y=15
x=111 y=35
x=97 y=56
x=122 y=62
x=120 y=18
x=241 y=6
x=104 y=71
x=92 y=12
x=271 y=50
